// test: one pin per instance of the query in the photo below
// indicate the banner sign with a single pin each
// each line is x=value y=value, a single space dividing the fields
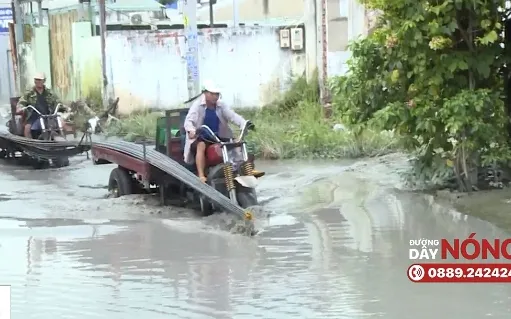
x=5 y=19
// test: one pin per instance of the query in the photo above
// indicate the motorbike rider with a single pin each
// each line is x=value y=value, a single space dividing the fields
x=40 y=97
x=208 y=110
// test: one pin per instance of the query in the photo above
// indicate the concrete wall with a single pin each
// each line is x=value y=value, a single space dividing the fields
x=7 y=83
x=86 y=64
x=338 y=55
x=148 y=69
x=35 y=57
x=347 y=20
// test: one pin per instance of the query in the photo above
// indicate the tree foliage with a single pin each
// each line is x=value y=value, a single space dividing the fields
x=431 y=71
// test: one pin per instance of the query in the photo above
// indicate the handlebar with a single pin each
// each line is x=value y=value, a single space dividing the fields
x=248 y=125
x=206 y=128
x=33 y=108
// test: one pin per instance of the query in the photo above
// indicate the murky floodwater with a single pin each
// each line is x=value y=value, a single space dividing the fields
x=336 y=246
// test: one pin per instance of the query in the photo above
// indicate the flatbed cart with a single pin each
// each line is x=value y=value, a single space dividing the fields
x=160 y=168
x=49 y=145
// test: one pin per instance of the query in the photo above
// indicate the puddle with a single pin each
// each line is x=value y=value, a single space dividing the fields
x=335 y=246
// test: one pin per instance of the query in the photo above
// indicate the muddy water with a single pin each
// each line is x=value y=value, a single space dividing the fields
x=336 y=246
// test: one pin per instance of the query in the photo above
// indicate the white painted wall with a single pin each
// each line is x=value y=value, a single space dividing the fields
x=357 y=20
x=357 y=26
x=148 y=69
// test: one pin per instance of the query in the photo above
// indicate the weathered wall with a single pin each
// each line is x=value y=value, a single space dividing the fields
x=347 y=20
x=337 y=39
x=41 y=48
x=62 y=51
x=148 y=69
x=7 y=84
x=337 y=25
x=86 y=63
x=35 y=57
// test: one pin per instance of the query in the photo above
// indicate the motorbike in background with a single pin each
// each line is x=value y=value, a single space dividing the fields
x=50 y=128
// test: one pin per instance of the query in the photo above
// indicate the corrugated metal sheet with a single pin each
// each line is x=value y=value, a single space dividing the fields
x=62 y=51
x=7 y=86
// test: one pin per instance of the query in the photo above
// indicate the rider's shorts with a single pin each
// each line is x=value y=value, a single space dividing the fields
x=208 y=142
x=36 y=125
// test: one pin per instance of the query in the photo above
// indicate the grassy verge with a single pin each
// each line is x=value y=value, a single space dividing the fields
x=136 y=126
x=305 y=133
x=292 y=127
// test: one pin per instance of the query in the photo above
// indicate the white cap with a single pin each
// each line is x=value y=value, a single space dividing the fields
x=39 y=76
x=211 y=87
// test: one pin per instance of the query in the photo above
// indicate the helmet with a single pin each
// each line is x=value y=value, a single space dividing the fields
x=211 y=87
x=39 y=76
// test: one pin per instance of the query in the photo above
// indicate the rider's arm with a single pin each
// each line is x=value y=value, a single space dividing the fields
x=53 y=100
x=232 y=116
x=191 y=117
x=23 y=101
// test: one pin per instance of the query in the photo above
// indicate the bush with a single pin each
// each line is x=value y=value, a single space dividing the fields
x=136 y=126
x=431 y=75
x=292 y=127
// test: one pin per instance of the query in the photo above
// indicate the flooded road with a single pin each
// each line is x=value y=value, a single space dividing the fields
x=336 y=246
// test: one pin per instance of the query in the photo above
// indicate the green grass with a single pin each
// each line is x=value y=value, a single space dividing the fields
x=136 y=126
x=305 y=133
x=293 y=126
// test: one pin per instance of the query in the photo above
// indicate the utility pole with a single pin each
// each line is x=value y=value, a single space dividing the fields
x=18 y=34
x=192 y=53
x=322 y=38
x=311 y=39
x=211 y=14
x=102 y=34
x=40 y=11
x=235 y=13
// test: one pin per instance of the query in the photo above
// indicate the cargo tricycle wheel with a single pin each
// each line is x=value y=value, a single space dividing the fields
x=40 y=163
x=206 y=208
x=119 y=183
x=62 y=162
x=246 y=197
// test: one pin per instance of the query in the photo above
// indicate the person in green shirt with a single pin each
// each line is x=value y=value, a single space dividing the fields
x=40 y=97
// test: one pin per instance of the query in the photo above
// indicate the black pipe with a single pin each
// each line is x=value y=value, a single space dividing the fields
x=211 y=22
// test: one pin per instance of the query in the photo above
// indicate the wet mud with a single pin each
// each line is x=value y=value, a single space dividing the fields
x=335 y=246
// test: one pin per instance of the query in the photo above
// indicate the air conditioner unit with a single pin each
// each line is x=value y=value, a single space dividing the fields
x=139 y=18
x=297 y=39
x=285 y=41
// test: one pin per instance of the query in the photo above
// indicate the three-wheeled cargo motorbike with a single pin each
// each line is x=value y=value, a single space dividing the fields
x=229 y=170
x=229 y=166
x=50 y=128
